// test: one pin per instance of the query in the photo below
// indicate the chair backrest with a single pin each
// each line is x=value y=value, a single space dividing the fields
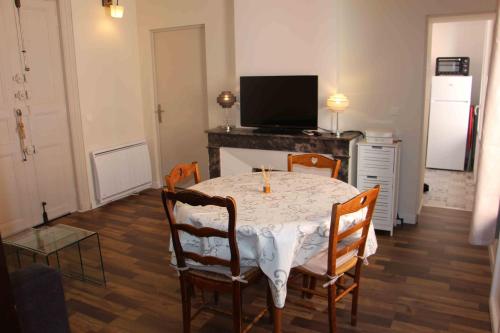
x=315 y=161
x=363 y=200
x=181 y=172
x=196 y=198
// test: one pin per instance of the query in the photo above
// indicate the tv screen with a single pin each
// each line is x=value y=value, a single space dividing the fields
x=279 y=101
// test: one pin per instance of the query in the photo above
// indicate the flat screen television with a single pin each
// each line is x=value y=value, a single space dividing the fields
x=279 y=102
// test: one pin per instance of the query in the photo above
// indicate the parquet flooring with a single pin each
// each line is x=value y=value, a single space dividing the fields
x=426 y=278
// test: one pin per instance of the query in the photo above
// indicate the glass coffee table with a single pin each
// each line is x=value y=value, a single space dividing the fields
x=47 y=241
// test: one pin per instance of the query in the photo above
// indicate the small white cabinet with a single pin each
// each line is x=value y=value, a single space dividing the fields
x=379 y=164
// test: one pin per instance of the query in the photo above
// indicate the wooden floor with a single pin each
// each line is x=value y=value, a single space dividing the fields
x=424 y=279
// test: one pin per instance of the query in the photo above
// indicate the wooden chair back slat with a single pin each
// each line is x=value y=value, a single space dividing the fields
x=351 y=230
x=201 y=232
x=181 y=172
x=196 y=198
x=315 y=161
x=207 y=260
x=351 y=247
x=367 y=200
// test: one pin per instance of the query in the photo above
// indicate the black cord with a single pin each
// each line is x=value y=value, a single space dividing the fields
x=400 y=219
x=350 y=131
x=324 y=129
x=353 y=131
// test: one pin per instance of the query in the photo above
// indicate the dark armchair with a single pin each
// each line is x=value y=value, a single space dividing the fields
x=31 y=299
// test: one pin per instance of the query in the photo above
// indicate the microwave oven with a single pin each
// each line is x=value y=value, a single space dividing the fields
x=452 y=66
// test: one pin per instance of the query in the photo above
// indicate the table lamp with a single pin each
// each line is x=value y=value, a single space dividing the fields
x=226 y=99
x=337 y=103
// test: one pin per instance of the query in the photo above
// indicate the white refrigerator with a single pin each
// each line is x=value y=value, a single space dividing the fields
x=448 y=122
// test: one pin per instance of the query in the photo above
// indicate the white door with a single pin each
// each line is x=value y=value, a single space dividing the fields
x=34 y=88
x=49 y=125
x=16 y=190
x=181 y=95
x=447 y=138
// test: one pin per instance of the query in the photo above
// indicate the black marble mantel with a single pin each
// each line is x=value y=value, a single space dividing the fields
x=301 y=143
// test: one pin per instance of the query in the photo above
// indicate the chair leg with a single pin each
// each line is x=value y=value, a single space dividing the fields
x=332 y=314
x=192 y=290
x=237 y=306
x=278 y=314
x=186 y=305
x=305 y=284
x=312 y=286
x=216 y=297
x=355 y=294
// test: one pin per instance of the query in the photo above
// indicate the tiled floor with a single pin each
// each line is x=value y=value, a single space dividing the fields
x=449 y=189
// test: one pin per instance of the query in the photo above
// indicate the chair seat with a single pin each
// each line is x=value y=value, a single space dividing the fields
x=318 y=264
x=223 y=274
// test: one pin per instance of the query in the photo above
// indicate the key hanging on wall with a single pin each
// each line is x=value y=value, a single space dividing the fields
x=21 y=132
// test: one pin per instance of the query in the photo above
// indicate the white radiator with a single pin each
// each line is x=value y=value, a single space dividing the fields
x=120 y=171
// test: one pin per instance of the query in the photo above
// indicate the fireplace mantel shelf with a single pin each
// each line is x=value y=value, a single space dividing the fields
x=245 y=138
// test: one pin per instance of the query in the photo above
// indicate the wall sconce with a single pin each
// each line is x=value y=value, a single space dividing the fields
x=116 y=11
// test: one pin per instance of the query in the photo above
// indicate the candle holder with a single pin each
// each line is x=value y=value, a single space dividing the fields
x=266 y=175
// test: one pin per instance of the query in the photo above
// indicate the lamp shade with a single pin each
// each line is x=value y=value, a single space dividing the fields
x=337 y=102
x=226 y=99
x=116 y=11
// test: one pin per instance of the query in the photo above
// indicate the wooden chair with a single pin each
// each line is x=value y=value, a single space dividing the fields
x=344 y=257
x=181 y=172
x=315 y=161
x=214 y=274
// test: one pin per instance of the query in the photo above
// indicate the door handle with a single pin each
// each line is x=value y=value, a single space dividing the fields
x=159 y=111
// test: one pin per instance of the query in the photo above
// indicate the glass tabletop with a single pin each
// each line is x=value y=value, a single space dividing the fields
x=48 y=239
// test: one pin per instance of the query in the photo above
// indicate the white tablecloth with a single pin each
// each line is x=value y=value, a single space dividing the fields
x=275 y=231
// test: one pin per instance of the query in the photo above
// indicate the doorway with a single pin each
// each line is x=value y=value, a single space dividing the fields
x=454 y=107
x=36 y=163
x=181 y=96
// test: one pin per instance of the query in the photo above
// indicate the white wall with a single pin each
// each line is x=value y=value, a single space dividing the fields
x=107 y=61
x=217 y=16
x=459 y=39
x=378 y=48
x=283 y=37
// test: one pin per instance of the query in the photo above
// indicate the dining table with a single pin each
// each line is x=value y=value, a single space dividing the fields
x=276 y=231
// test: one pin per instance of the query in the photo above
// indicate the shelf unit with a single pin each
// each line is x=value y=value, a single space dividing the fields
x=379 y=164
